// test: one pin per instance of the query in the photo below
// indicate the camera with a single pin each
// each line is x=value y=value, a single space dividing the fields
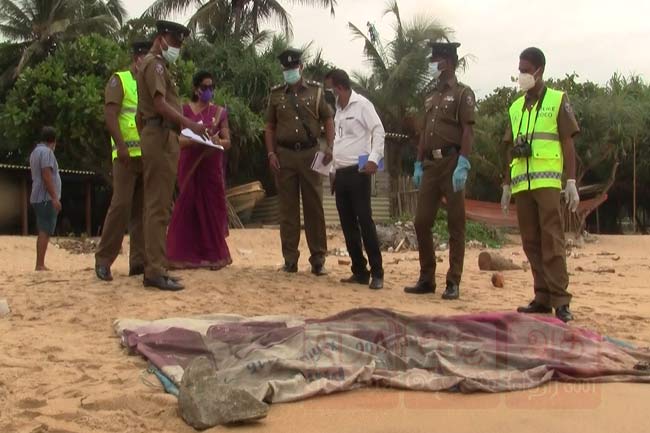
x=522 y=148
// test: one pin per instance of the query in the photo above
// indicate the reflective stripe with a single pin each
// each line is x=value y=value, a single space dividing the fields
x=546 y=136
x=537 y=175
x=129 y=109
x=129 y=144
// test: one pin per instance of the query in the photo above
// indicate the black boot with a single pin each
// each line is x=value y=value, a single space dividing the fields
x=452 y=291
x=535 y=307
x=421 y=288
x=357 y=279
x=103 y=272
x=318 y=270
x=162 y=283
x=563 y=313
x=291 y=268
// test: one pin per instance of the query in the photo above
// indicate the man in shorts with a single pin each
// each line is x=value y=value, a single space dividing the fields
x=46 y=191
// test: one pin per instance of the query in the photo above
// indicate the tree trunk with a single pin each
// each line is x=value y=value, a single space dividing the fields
x=494 y=262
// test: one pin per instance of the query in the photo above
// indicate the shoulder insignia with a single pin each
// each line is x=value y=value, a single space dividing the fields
x=113 y=82
x=159 y=68
x=567 y=107
x=277 y=87
x=313 y=83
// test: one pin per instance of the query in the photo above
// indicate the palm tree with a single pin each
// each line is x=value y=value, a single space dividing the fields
x=399 y=71
x=34 y=27
x=238 y=18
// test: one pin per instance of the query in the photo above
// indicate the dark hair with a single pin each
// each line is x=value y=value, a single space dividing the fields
x=535 y=56
x=197 y=79
x=339 y=78
x=48 y=134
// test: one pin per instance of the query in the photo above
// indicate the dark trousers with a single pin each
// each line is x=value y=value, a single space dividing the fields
x=436 y=184
x=353 y=203
x=542 y=236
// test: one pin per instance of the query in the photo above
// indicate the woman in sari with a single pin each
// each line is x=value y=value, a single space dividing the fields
x=199 y=224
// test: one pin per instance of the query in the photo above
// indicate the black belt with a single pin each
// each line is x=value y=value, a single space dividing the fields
x=160 y=122
x=441 y=153
x=348 y=169
x=297 y=146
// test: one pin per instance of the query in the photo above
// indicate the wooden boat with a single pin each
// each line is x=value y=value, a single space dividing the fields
x=243 y=198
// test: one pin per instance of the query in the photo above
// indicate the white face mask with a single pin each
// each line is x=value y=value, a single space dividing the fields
x=526 y=81
x=171 y=54
x=434 y=70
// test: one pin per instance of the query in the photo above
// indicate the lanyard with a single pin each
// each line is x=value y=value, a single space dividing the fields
x=539 y=107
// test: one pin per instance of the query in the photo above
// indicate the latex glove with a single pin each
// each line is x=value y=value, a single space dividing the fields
x=571 y=194
x=460 y=173
x=506 y=195
x=417 y=174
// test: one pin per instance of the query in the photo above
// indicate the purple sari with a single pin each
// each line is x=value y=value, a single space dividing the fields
x=199 y=225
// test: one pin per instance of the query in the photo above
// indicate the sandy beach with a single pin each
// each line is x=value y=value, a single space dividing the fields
x=62 y=369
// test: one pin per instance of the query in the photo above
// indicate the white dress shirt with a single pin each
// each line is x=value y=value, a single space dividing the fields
x=358 y=131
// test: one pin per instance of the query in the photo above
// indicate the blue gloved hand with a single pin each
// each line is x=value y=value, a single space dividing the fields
x=460 y=173
x=417 y=174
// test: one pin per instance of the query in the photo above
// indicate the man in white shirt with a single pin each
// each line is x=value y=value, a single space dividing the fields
x=358 y=132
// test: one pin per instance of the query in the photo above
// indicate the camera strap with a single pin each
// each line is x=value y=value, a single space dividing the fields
x=521 y=120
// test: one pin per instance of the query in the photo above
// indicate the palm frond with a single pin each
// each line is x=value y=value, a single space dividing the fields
x=372 y=54
x=163 y=8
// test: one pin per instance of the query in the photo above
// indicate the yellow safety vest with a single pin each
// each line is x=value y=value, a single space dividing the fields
x=543 y=169
x=127 y=115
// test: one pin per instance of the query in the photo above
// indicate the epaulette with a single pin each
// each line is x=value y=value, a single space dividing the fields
x=313 y=83
x=279 y=86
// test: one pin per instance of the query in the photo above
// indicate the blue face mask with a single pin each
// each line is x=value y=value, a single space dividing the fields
x=292 y=76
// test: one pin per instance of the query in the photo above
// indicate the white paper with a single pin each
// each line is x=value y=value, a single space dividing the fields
x=197 y=138
x=318 y=166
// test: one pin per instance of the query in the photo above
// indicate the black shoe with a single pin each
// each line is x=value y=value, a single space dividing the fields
x=377 y=283
x=136 y=270
x=103 y=273
x=535 y=307
x=318 y=270
x=421 y=288
x=291 y=268
x=563 y=313
x=452 y=291
x=163 y=283
x=357 y=279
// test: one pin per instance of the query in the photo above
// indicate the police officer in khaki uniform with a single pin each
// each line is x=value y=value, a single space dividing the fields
x=294 y=116
x=120 y=106
x=441 y=168
x=162 y=118
x=541 y=150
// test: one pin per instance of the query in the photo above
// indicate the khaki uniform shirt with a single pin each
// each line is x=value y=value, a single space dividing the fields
x=114 y=92
x=567 y=124
x=153 y=79
x=288 y=126
x=450 y=106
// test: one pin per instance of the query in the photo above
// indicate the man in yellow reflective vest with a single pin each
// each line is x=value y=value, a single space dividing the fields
x=540 y=150
x=125 y=211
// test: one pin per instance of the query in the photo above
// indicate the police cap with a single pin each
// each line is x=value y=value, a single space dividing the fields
x=290 y=57
x=444 y=49
x=179 y=31
x=141 y=47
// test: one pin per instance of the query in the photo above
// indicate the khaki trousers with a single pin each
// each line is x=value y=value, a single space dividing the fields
x=125 y=211
x=295 y=180
x=436 y=184
x=160 y=152
x=542 y=236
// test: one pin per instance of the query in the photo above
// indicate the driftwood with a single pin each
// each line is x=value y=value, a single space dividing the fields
x=494 y=262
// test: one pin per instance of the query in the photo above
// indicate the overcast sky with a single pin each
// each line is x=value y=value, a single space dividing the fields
x=593 y=38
